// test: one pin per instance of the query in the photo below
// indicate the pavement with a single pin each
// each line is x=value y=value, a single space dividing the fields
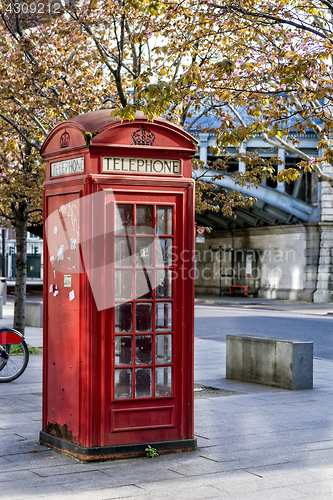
x=254 y=442
x=291 y=306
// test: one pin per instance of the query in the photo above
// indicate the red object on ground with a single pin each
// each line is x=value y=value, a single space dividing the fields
x=243 y=289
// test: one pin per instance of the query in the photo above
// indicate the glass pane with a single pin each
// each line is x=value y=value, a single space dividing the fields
x=123 y=383
x=164 y=252
x=124 y=284
x=143 y=378
x=123 y=350
x=124 y=218
x=164 y=220
x=144 y=284
x=163 y=349
x=144 y=252
x=124 y=317
x=163 y=284
x=143 y=350
x=163 y=384
x=144 y=219
x=143 y=317
x=163 y=316
x=124 y=251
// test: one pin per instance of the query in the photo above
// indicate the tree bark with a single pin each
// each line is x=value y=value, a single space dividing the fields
x=21 y=266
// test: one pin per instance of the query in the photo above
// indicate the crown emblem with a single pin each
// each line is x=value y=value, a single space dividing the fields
x=143 y=137
x=65 y=140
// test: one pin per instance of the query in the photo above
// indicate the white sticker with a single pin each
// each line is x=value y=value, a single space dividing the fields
x=61 y=252
x=67 y=280
x=73 y=244
x=71 y=295
x=55 y=293
x=51 y=288
x=55 y=229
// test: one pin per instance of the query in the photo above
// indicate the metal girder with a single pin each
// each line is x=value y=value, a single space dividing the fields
x=274 y=200
x=282 y=216
x=219 y=220
x=203 y=220
x=246 y=217
x=261 y=214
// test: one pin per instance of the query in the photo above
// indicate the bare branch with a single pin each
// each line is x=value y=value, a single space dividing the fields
x=204 y=112
x=314 y=126
x=19 y=131
x=276 y=20
x=33 y=117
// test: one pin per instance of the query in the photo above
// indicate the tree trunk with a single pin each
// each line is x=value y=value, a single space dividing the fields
x=21 y=266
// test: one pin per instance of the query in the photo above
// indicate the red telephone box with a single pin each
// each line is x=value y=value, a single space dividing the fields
x=118 y=287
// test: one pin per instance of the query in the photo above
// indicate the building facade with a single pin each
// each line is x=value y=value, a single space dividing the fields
x=34 y=256
x=282 y=246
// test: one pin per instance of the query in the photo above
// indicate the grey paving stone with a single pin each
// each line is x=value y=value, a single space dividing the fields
x=55 y=469
x=130 y=491
x=10 y=450
x=283 y=493
x=298 y=471
x=42 y=459
x=182 y=491
x=22 y=491
x=317 y=488
x=204 y=466
x=95 y=481
x=142 y=475
x=185 y=486
x=13 y=476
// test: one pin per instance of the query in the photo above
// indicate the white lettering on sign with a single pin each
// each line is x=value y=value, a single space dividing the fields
x=67 y=167
x=141 y=165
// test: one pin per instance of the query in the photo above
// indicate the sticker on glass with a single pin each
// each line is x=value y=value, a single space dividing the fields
x=73 y=244
x=144 y=252
x=61 y=252
x=71 y=295
x=67 y=280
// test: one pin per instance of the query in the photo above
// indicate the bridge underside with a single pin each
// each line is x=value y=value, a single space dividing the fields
x=271 y=208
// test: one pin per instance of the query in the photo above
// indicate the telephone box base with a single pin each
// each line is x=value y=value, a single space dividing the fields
x=114 y=452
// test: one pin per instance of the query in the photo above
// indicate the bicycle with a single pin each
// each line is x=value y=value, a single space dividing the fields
x=14 y=354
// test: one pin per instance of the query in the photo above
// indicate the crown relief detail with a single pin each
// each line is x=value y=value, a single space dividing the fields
x=143 y=137
x=65 y=140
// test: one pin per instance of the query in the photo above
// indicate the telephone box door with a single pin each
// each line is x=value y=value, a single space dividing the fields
x=146 y=342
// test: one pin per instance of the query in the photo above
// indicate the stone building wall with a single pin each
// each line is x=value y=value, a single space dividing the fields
x=285 y=261
x=324 y=292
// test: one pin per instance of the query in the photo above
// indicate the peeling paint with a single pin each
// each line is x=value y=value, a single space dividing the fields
x=61 y=431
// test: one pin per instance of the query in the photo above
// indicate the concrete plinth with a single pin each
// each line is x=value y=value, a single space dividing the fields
x=322 y=296
x=3 y=289
x=34 y=314
x=280 y=363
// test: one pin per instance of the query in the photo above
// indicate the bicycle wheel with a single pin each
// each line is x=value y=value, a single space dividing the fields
x=13 y=360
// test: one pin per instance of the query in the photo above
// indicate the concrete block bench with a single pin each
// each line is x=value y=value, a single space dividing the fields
x=3 y=290
x=34 y=314
x=269 y=361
